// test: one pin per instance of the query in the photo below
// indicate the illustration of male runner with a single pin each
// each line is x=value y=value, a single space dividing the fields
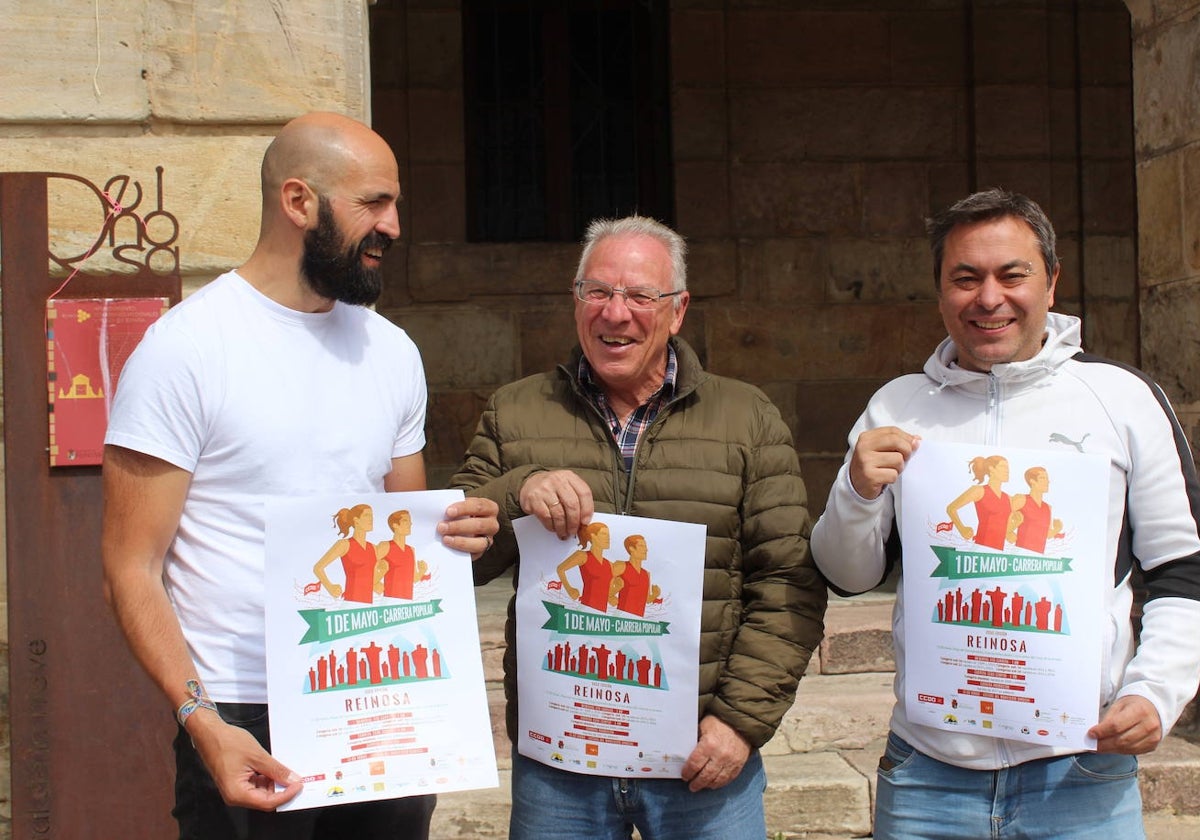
x=1030 y=524
x=398 y=568
x=632 y=589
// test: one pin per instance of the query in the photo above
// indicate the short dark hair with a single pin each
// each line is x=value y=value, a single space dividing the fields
x=985 y=206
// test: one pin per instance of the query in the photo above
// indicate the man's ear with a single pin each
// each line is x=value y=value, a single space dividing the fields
x=1053 y=284
x=680 y=311
x=298 y=202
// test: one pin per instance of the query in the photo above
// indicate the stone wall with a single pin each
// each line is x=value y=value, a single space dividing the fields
x=810 y=141
x=1167 y=90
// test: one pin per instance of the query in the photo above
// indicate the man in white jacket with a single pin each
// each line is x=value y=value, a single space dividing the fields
x=1013 y=374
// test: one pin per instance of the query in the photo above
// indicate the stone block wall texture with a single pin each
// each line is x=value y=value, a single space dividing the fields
x=810 y=138
x=1166 y=78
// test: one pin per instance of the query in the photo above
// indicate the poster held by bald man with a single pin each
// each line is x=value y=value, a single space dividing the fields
x=272 y=380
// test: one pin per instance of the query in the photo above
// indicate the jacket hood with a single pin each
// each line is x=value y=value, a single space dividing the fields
x=1062 y=342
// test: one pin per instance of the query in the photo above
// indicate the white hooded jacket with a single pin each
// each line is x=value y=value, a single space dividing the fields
x=1062 y=397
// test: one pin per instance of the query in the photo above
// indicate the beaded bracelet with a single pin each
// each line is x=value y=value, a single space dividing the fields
x=198 y=700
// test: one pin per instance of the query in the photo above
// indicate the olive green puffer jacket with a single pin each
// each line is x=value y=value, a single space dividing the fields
x=717 y=454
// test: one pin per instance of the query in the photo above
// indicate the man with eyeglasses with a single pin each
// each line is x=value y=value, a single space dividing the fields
x=1013 y=374
x=632 y=424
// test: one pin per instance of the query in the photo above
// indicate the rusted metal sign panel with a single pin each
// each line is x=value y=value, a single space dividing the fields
x=91 y=751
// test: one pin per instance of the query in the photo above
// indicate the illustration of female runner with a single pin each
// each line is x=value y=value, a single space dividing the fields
x=357 y=555
x=632 y=589
x=1030 y=524
x=398 y=567
x=596 y=571
x=992 y=505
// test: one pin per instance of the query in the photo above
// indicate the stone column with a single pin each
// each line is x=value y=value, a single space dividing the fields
x=1166 y=76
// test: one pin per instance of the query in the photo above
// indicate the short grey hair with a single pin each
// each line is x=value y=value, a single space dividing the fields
x=639 y=226
x=985 y=206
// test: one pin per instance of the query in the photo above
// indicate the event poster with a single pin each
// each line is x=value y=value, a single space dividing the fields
x=608 y=645
x=1004 y=574
x=88 y=342
x=374 y=675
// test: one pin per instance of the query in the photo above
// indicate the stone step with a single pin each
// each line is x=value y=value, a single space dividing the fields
x=1167 y=825
x=841 y=712
x=1170 y=778
x=473 y=813
x=822 y=792
x=499 y=733
x=858 y=635
x=491 y=608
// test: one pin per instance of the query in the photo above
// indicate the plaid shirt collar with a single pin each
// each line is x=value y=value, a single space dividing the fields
x=627 y=436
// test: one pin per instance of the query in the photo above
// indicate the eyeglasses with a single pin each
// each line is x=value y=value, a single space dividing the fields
x=637 y=297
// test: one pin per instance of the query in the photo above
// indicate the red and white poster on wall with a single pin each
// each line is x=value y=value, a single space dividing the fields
x=87 y=344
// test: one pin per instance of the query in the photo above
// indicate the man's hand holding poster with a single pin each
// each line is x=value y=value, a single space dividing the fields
x=374 y=675
x=608 y=645
x=1004 y=575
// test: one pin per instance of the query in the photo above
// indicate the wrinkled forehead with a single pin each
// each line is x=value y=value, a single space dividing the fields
x=367 y=178
x=639 y=259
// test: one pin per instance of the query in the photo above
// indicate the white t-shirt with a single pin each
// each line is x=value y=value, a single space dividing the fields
x=255 y=400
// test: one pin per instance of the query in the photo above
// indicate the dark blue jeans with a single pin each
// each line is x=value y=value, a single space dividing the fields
x=203 y=815
x=553 y=804
x=1072 y=797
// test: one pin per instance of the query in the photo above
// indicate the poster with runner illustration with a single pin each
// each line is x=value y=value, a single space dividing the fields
x=608 y=645
x=374 y=675
x=1004 y=574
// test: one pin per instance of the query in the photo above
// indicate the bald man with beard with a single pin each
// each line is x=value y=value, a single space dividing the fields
x=272 y=380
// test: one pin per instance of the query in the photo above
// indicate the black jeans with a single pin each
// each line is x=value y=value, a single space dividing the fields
x=203 y=815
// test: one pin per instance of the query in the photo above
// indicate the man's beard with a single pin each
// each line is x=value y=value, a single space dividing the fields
x=335 y=271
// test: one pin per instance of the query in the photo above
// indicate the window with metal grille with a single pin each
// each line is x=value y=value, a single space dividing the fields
x=567 y=115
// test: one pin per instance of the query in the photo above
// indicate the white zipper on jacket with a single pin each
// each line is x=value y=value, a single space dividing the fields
x=992 y=433
x=992 y=438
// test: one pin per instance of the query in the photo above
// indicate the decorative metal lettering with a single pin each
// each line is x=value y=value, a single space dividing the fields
x=144 y=241
x=37 y=760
